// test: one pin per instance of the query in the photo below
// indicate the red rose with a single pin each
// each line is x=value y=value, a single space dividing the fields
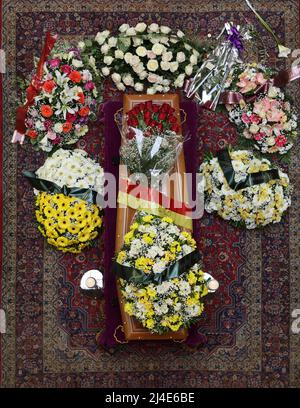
x=172 y=119
x=149 y=105
x=136 y=110
x=162 y=116
x=147 y=114
x=142 y=106
x=160 y=127
x=155 y=108
x=175 y=128
x=32 y=134
x=147 y=121
x=134 y=122
x=130 y=134
x=81 y=97
x=71 y=117
x=165 y=107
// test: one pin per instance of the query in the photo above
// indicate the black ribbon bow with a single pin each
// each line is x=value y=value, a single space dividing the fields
x=251 y=180
x=138 y=277
x=85 y=194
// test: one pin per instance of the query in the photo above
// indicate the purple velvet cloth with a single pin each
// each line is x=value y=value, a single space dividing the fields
x=111 y=150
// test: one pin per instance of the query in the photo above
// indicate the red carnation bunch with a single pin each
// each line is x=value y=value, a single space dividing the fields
x=153 y=118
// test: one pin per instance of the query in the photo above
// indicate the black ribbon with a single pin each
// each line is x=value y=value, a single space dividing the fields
x=138 y=277
x=85 y=194
x=251 y=180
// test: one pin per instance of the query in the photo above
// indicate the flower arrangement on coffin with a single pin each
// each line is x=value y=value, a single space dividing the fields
x=66 y=209
x=150 y=139
x=144 y=57
x=157 y=291
x=72 y=168
x=257 y=195
x=264 y=116
x=66 y=102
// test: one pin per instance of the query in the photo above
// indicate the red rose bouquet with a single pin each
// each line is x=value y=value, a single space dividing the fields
x=151 y=139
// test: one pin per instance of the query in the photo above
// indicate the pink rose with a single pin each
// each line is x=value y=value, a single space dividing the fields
x=66 y=69
x=57 y=140
x=89 y=86
x=259 y=136
x=54 y=63
x=51 y=135
x=245 y=118
x=48 y=124
x=255 y=118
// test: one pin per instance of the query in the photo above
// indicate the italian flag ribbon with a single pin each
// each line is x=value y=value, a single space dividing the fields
x=154 y=202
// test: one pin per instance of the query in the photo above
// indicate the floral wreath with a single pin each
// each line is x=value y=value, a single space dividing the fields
x=264 y=115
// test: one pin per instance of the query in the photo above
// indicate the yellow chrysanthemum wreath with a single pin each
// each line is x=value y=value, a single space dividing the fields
x=69 y=223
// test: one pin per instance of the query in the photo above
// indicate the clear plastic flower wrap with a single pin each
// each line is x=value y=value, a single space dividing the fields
x=210 y=80
x=150 y=141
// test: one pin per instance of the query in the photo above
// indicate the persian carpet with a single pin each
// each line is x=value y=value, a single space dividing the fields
x=52 y=329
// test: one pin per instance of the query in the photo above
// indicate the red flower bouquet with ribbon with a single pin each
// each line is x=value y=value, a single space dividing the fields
x=151 y=139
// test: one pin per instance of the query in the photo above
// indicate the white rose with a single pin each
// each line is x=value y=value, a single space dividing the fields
x=151 y=91
x=189 y=69
x=138 y=86
x=123 y=28
x=167 y=56
x=158 y=88
x=116 y=77
x=193 y=59
x=134 y=60
x=180 y=34
x=254 y=128
x=140 y=27
x=131 y=31
x=271 y=141
x=165 y=65
x=138 y=69
x=166 y=82
x=137 y=41
x=105 y=71
x=153 y=78
x=105 y=33
x=112 y=41
x=166 y=89
x=58 y=127
x=120 y=86
x=153 y=28
x=273 y=92
x=141 y=51
x=152 y=65
x=180 y=57
x=143 y=75
x=128 y=80
x=119 y=54
x=158 y=49
x=174 y=66
x=81 y=45
x=104 y=48
x=127 y=57
x=77 y=63
x=100 y=38
x=187 y=47
x=165 y=29
x=108 y=60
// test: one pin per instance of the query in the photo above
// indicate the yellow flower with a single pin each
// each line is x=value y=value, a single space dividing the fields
x=71 y=213
x=151 y=292
x=147 y=218
x=84 y=236
x=128 y=237
x=52 y=233
x=62 y=241
x=192 y=278
x=144 y=264
x=93 y=235
x=49 y=211
x=128 y=308
x=134 y=226
x=63 y=223
x=80 y=207
x=42 y=231
x=73 y=229
x=167 y=219
x=147 y=239
x=121 y=257
x=150 y=323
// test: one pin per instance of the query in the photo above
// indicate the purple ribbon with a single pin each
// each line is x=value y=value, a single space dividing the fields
x=235 y=38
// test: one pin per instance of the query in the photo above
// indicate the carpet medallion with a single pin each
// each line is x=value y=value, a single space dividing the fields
x=52 y=327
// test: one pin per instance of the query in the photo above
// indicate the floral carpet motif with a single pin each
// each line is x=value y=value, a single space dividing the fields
x=52 y=328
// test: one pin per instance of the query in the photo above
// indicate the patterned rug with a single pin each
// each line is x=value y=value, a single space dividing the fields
x=50 y=338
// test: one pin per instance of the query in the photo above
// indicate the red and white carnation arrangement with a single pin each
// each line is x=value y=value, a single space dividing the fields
x=66 y=102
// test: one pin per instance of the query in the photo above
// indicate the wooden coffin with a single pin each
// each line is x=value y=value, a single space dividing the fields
x=133 y=330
